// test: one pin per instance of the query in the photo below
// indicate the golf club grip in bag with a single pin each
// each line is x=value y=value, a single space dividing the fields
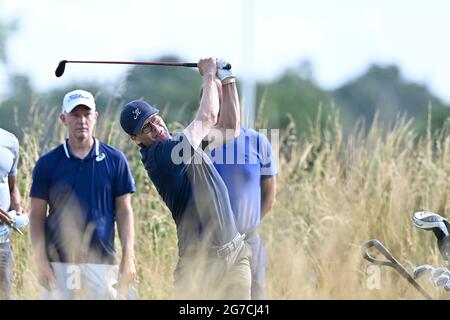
x=390 y=262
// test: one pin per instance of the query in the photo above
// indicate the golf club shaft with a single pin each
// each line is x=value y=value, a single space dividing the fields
x=391 y=262
x=172 y=64
x=62 y=64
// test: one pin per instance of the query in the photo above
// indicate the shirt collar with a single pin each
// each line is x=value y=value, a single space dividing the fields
x=95 y=151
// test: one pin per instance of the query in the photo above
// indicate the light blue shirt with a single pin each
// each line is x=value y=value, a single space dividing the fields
x=242 y=164
x=9 y=156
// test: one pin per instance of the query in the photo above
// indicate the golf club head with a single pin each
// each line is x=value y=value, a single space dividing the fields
x=60 y=69
x=431 y=221
x=440 y=277
x=427 y=220
x=441 y=280
x=420 y=270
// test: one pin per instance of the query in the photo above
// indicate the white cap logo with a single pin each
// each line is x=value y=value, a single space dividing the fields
x=136 y=113
x=76 y=98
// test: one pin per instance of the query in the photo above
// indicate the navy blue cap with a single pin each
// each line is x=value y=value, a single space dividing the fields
x=134 y=114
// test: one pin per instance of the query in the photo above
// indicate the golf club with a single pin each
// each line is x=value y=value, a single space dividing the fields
x=62 y=64
x=427 y=220
x=442 y=280
x=420 y=270
x=440 y=277
x=390 y=262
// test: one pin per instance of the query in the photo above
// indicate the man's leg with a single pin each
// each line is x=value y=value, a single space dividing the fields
x=6 y=271
x=192 y=277
x=68 y=282
x=258 y=266
x=180 y=281
x=99 y=281
x=237 y=280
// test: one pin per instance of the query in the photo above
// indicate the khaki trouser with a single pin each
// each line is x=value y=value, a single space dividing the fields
x=206 y=276
x=82 y=281
x=6 y=271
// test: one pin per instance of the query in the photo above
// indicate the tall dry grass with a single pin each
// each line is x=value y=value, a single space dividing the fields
x=333 y=194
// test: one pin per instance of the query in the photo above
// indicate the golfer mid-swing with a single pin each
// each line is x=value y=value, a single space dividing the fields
x=213 y=258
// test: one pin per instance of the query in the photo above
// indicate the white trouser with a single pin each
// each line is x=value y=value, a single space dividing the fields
x=83 y=281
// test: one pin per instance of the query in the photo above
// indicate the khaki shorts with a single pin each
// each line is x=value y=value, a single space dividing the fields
x=205 y=276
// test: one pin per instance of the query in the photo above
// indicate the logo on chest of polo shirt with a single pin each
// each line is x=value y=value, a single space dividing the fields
x=100 y=157
x=136 y=113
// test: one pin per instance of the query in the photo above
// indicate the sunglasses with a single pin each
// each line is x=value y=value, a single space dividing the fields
x=148 y=126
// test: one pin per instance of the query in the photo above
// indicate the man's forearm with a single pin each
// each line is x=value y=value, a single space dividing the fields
x=229 y=123
x=266 y=205
x=15 y=201
x=209 y=104
x=14 y=194
x=268 y=194
x=125 y=228
x=37 y=233
x=207 y=113
x=230 y=117
x=38 y=215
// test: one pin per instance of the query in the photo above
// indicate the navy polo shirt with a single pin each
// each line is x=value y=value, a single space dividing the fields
x=193 y=191
x=81 y=197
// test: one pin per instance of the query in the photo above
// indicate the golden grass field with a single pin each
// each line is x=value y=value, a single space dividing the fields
x=332 y=196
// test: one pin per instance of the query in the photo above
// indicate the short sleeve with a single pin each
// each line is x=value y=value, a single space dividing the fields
x=124 y=182
x=268 y=161
x=40 y=185
x=15 y=151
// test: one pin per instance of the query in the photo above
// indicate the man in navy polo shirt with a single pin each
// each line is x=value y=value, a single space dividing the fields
x=86 y=186
x=248 y=169
x=213 y=258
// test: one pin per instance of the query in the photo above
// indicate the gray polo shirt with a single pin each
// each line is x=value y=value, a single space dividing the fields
x=9 y=156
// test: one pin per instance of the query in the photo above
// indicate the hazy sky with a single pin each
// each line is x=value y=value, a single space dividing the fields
x=262 y=37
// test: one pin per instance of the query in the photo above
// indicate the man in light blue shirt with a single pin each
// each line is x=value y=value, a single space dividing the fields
x=247 y=167
x=9 y=202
